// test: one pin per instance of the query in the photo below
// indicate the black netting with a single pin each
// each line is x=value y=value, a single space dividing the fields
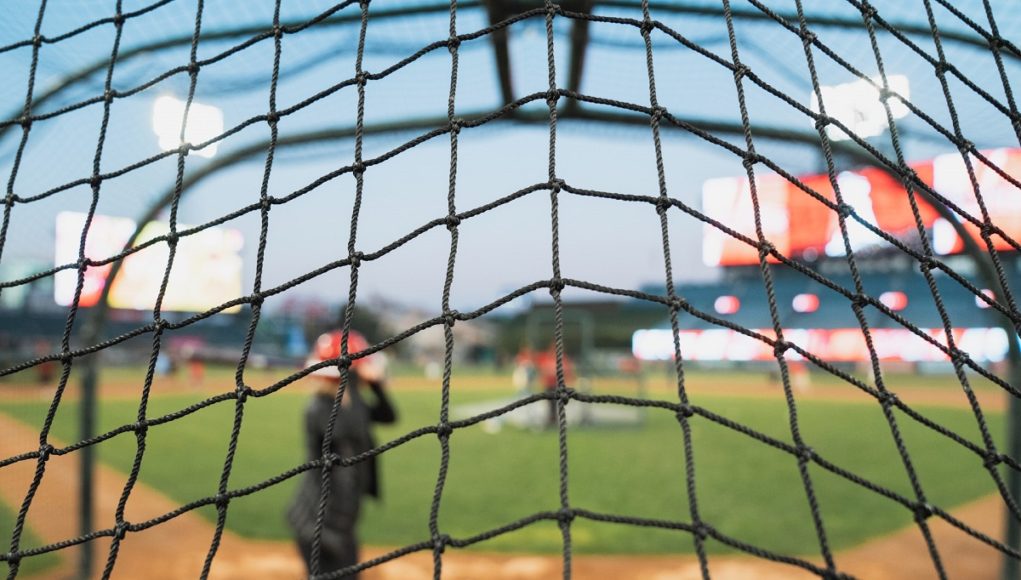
x=564 y=103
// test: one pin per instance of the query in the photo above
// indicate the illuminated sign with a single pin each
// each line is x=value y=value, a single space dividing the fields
x=831 y=345
x=206 y=271
x=801 y=226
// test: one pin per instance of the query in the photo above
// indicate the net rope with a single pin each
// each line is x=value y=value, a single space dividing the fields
x=700 y=530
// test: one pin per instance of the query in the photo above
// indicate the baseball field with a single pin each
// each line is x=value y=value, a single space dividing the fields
x=745 y=488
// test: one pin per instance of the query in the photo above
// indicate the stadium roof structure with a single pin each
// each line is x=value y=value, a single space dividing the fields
x=502 y=79
x=499 y=69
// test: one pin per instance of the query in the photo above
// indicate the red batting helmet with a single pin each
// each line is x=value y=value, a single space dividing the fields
x=327 y=347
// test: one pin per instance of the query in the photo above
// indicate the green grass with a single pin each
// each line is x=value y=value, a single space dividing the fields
x=32 y=565
x=745 y=488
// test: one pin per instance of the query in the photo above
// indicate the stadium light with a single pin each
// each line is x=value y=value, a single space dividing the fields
x=894 y=300
x=204 y=123
x=805 y=303
x=727 y=304
x=857 y=105
x=988 y=294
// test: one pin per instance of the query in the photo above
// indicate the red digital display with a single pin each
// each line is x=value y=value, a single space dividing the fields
x=801 y=226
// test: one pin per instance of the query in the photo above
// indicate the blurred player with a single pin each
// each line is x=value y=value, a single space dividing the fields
x=545 y=364
x=351 y=436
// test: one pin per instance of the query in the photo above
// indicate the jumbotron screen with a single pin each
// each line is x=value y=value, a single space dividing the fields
x=802 y=227
x=206 y=270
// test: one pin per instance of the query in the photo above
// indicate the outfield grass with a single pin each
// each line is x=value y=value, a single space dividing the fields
x=32 y=565
x=745 y=488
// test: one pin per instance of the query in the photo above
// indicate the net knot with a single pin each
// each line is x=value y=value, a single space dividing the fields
x=565 y=516
x=66 y=357
x=278 y=31
x=356 y=259
x=257 y=299
x=987 y=230
x=173 y=238
x=344 y=362
x=845 y=210
x=265 y=204
x=885 y=94
x=331 y=459
x=823 y=121
x=923 y=511
x=25 y=122
x=701 y=530
x=358 y=168
x=658 y=112
x=120 y=530
x=663 y=204
x=456 y=125
x=453 y=221
x=272 y=117
x=221 y=500
x=10 y=199
x=766 y=248
x=361 y=78
x=453 y=43
x=647 y=26
x=959 y=357
x=860 y=300
x=942 y=67
x=741 y=70
x=808 y=37
x=118 y=20
x=94 y=181
x=887 y=398
x=555 y=185
x=805 y=454
x=964 y=144
x=449 y=318
x=686 y=411
x=37 y=40
x=12 y=557
x=992 y=460
x=751 y=158
x=868 y=10
x=678 y=303
x=184 y=149
x=244 y=392
x=45 y=450
x=564 y=395
x=780 y=347
x=928 y=263
x=556 y=286
x=440 y=543
x=160 y=324
x=552 y=96
x=193 y=68
x=443 y=430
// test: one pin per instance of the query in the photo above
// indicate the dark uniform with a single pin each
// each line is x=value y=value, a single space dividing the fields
x=351 y=435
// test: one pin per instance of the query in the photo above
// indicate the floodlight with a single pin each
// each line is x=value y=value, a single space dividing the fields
x=204 y=123
x=858 y=107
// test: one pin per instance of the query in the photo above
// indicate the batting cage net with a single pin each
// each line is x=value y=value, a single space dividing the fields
x=756 y=50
